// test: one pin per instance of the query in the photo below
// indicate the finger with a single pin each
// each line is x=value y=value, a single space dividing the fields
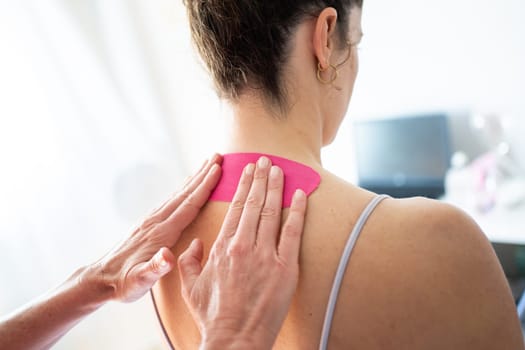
x=149 y=273
x=190 y=267
x=270 y=220
x=187 y=180
x=291 y=234
x=247 y=230
x=233 y=216
x=190 y=207
x=190 y=186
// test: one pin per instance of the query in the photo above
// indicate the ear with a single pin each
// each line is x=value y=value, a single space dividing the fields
x=323 y=38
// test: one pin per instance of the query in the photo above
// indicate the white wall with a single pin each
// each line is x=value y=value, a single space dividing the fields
x=438 y=55
x=79 y=119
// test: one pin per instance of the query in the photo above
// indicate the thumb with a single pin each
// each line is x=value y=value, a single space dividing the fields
x=159 y=265
x=190 y=267
x=146 y=274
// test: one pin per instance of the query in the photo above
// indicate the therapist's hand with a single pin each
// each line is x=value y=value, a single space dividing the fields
x=125 y=274
x=241 y=296
x=136 y=264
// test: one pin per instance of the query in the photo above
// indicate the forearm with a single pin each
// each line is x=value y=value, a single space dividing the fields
x=124 y=274
x=42 y=323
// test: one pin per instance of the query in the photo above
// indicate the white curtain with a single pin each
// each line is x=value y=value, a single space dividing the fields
x=94 y=115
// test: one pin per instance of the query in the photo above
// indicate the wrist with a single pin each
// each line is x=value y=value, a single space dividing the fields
x=94 y=287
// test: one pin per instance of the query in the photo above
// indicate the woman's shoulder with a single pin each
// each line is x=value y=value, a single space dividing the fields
x=429 y=219
x=415 y=218
x=418 y=230
x=442 y=277
x=435 y=234
x=402 y=216
x=420 y=269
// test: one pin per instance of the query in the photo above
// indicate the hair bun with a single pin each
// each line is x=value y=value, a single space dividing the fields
x=243 y=42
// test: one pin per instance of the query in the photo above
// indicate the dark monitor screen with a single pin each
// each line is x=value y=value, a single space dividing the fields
x=403 y=157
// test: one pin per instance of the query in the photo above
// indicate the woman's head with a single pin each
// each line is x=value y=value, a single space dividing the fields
x=245 y=44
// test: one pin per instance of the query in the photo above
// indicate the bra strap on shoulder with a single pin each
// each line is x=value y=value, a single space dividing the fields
x=334 y=293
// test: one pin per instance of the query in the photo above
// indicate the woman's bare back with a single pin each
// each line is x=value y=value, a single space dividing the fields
x=422 y=276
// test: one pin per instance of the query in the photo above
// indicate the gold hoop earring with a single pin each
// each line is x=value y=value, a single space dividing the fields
x=333 y=75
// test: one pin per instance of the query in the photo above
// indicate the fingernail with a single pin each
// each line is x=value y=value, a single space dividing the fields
x=193 y=244
x=249 y=169
x=161 y=262
x=263 y=162
x=215 y=157
x=299 y=194
x=275 y=171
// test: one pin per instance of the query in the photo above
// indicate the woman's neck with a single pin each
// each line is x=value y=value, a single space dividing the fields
x=296 y=136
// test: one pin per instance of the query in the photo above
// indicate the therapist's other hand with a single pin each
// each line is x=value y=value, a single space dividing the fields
x=241 y=296
x=132 y=268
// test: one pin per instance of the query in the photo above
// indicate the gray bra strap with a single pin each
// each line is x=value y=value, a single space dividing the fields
x=334 y=293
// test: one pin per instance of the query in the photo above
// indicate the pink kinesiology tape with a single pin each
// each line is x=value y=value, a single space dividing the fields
x=296 y=176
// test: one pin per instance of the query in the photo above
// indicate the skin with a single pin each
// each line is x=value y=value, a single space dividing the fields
x=422 y=275
x=133 y=267
x=125 y=274
x=250 y=237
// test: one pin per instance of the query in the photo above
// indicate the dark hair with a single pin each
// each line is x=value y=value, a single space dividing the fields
x=245 y=41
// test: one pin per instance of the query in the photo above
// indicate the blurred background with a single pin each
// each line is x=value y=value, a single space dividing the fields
x=104 y=109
